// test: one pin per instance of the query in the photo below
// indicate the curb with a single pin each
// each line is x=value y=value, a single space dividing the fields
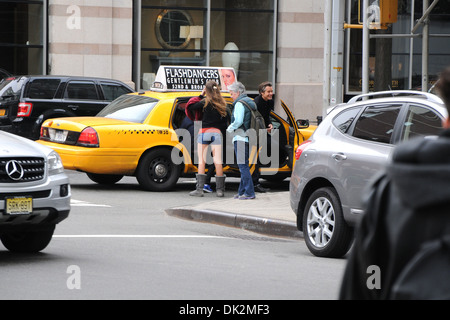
x=272 y=227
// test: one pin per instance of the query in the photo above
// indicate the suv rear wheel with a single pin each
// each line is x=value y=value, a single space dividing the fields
x=28 y=242
x=325 y=231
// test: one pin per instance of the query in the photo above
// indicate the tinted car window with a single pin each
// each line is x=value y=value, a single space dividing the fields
x=113 y=91
x=129 y=108
x=10 y=89
x=421 y=121
x=81 y=90
x=344 y=119
x=377 y=123
x=42 y=88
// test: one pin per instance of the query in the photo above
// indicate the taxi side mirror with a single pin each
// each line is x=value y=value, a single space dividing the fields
x=302 y=123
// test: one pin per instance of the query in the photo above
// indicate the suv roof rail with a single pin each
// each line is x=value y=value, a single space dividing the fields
x=394 y=93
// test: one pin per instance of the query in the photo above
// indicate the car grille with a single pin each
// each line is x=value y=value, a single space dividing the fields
x=15 y=170
x=35 y=194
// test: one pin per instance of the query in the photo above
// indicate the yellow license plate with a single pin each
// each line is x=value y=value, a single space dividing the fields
x=2 y=112
x=19 y=205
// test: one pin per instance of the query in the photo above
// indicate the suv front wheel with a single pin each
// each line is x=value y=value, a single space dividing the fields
x=28 y=242
x=325 y=231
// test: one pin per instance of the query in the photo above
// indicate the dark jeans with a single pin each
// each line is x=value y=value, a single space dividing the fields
x=246 y=187
x=267 y=148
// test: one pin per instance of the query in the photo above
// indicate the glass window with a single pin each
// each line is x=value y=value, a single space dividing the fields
x=21 y=36
x=112 y=91
x=43 y=88
x=11 y=89
x=344 y=120
x=81 y=91
x=392 y=63
x=129 y=108
x=241 y=36
x=377 y=123
x=421 y=121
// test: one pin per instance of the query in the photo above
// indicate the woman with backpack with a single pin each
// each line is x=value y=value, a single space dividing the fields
x=213 y=109
x=240 y=123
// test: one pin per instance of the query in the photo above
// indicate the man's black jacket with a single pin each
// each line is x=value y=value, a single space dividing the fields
x=405 y=206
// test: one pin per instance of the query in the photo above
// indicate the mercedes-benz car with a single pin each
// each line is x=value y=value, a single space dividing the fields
x=34 y=193
x=352 y=144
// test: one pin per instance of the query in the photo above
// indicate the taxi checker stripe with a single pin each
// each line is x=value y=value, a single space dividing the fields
x=14 y=170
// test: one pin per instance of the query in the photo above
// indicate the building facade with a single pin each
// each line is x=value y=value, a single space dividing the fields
x=281 y=41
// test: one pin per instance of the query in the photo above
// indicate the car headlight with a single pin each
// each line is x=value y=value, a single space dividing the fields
x=55 y=164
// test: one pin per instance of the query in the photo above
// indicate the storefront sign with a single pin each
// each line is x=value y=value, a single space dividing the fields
x=184 y=78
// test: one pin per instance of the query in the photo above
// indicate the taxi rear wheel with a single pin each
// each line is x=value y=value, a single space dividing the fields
x=157 y=172
x=104 y=178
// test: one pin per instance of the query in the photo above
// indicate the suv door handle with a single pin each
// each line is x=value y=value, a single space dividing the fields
x=339 y=156
x=73 y=107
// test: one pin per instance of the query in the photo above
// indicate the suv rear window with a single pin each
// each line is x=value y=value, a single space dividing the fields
x=11 y=88
x=42 y=88
x=344 y=120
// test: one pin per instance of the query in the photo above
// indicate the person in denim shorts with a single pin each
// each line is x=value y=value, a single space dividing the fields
x=213 y=108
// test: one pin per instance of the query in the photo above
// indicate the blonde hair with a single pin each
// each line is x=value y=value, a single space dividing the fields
x=214 y=98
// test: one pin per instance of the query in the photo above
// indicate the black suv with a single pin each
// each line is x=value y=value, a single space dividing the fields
x=27 y=101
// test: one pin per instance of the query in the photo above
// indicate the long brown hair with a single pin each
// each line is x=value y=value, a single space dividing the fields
x=214 y=98
x=443 y=87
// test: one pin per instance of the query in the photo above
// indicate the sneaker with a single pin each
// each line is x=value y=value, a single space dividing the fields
x=207 y=188
x=236 y=196
x=261 y=189
x=244 y=197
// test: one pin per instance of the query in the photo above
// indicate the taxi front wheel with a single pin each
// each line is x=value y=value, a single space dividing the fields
x=156 y=171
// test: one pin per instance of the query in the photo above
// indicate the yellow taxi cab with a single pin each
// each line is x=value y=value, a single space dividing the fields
x=140 y=134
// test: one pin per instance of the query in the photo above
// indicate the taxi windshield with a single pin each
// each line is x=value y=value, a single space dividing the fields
x=130 y=108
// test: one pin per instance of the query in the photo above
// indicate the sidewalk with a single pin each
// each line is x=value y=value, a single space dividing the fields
x=270 y=214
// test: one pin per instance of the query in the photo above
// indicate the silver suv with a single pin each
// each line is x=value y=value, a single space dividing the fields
x=353 y=143
x=34 y=193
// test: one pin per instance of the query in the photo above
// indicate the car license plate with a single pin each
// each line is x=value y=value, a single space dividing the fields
x=19 y=205
x=58 y=135
x=2 y=112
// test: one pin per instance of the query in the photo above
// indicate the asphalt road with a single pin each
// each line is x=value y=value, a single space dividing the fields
x=118 y=243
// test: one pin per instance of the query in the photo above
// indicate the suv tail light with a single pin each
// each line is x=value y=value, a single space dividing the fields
x=300 y=149
x=88 y=138
x=24 y=109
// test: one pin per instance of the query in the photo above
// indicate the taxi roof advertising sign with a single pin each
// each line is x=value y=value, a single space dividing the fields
x=187 y=78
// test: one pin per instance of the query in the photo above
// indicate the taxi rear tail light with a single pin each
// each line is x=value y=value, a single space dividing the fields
x=88 y=138
x=24 y=109
x=300 y=149
x=44 y=134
